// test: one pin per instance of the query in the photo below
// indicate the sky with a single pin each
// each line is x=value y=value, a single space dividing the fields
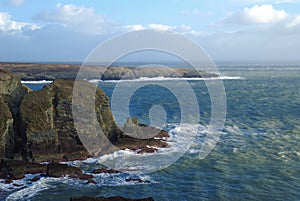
x=228 y=30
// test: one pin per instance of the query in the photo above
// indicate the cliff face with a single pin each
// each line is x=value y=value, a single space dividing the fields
x=48 y=122
x=6 y=131
x=12 y=93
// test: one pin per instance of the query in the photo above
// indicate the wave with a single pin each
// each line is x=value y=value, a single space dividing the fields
x=37 y=82
x=144 y=79
x=169 y=79
x=24 y=189
x=133 y=164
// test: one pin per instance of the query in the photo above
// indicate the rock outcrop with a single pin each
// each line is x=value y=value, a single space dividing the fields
x=12 y=93
x=48 y=122
x=39 y=125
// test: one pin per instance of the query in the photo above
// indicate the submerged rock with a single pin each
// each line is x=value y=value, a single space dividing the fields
x=107 y=171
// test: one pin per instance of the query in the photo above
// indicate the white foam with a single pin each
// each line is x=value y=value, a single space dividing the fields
x=181 y=138
x=27 y=189
x=37 y=82
x=169 y=79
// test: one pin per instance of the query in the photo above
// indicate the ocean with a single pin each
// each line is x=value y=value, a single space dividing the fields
x=256 y=158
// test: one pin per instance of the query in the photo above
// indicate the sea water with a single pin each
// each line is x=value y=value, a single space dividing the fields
x=256 y=158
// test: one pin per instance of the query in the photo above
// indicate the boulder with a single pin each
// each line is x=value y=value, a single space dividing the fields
x=48 y=122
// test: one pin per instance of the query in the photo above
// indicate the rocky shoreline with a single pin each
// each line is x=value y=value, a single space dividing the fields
x=38 y=72
x=37 y=132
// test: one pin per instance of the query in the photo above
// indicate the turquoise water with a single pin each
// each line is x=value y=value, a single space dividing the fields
x=256 y=158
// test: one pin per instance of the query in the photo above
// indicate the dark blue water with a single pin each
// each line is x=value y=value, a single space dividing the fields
x=256 y=158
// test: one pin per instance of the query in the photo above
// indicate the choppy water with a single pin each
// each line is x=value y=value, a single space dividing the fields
x=256 y=158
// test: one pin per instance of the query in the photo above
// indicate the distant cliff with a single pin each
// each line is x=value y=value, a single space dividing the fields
x=119 y=72
x=28 y=71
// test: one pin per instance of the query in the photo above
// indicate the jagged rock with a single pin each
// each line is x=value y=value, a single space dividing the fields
x=115 y=198
x=48 y=122
x=12 y=92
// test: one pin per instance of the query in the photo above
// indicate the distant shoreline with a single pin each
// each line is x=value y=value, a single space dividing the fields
x=50 y=72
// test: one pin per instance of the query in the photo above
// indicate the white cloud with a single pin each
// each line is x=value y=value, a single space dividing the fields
x=258 y=14
x=16 y=3
x=78 y=18
x=9 y=26
x=295 y=22
x=183 y=29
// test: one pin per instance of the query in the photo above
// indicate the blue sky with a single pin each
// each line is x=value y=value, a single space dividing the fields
x=229 y=30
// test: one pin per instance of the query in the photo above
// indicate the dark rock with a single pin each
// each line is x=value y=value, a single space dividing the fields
x=58 y=170
x=8 y=181
x=136 y=180
x=91 y=181
x=83 y=176
x=4 y=168
x=103 y=170
x=147 y=150
x=36 y=178
x=17 y=185
x=115 y=198
x=19 y=168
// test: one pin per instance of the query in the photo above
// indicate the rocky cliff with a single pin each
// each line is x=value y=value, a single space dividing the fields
x=48 y=122
x=39 y=125
x=12 y=93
